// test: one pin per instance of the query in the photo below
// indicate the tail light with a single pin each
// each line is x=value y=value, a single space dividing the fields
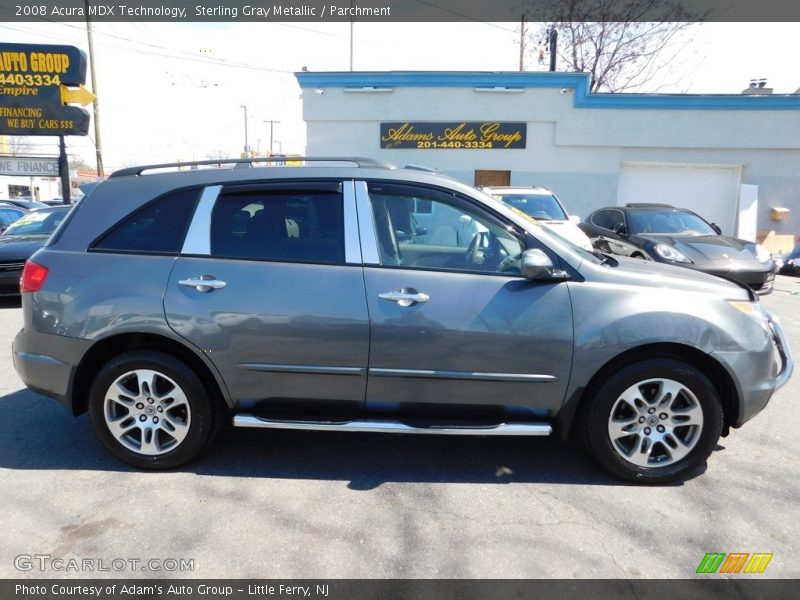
x=33 y=276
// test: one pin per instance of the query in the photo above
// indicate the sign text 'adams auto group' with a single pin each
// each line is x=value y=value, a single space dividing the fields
x=462 y=135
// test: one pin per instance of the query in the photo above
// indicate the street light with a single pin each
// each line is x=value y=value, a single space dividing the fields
x=246 y=145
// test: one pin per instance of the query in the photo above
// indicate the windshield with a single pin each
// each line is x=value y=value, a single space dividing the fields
x=538 y=206
x=673 y=222
x=38 y=222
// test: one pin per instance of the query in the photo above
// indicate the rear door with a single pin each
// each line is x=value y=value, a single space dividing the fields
x=269 y=285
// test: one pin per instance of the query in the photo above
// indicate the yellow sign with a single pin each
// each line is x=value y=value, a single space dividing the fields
x=80 y=96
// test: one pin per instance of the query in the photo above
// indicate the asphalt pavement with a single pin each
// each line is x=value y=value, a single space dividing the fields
x=290 y=504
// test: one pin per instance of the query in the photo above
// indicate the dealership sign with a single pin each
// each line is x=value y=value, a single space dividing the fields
x=33 y=167
x=458 y=135
x=35 y=92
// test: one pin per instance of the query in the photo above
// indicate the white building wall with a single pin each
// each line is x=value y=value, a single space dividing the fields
x=578 y=152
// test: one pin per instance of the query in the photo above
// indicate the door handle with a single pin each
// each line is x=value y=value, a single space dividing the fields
x=204 y=283
x=405 y=297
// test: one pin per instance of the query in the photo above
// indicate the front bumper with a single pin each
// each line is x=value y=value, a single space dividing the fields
x=9 y=279
x=757 y=375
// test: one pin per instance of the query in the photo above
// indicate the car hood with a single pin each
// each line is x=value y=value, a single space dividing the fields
x=569 y=231
x=651 y=274
x=708 y=248
x=20 y=247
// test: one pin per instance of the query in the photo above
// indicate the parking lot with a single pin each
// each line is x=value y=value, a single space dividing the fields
x=334 y=505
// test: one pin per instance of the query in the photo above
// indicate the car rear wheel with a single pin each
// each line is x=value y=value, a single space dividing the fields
x=655 y=421
x=150 y=410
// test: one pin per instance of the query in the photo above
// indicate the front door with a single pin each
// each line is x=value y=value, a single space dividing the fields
x=456 y=332
x=274 y=295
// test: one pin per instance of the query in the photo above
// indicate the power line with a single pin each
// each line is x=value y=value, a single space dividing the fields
x=220 y=62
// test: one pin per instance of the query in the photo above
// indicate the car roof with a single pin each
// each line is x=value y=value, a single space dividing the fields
x=651 y=205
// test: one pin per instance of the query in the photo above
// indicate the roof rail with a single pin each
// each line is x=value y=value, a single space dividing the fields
x=416 y=167
x=248 y=162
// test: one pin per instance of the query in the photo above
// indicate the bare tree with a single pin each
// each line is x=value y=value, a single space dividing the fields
x=218 y=154
x=17 y=145
x=624 y=45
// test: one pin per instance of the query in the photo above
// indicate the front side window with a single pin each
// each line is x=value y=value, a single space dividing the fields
x=157 y=228
x=455 y=237
x=282 y=225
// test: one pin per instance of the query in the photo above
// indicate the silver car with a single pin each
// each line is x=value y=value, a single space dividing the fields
x=171 y=302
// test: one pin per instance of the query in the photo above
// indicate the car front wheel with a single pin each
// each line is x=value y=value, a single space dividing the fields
x=655 y=421
x=150 y=410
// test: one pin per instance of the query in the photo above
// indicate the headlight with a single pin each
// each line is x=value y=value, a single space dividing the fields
x=762 y=254
x=669 y=253
x=747 y=307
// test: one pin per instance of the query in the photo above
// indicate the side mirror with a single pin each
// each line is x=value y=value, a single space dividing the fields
x=619 y=229
x=536 y=265
x=401 y=236
x=716 y=228
x=575 y=219
x=421 y=231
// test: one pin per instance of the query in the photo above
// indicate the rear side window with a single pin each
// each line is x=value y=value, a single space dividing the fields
x=283 y=225
x=159 y=227
x=607 y=219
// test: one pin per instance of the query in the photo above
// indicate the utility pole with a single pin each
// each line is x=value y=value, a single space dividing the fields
x=98 y=145
x=553 y=37
x=522 y=43
x=352 y=21
x=246 y=145
x=271 y=124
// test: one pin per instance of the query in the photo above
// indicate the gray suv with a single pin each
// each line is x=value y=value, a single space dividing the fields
x=349 y=295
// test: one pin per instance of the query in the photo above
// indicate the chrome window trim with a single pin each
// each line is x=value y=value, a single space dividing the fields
x=198 y=238
x=352 y=241
x=366 y=225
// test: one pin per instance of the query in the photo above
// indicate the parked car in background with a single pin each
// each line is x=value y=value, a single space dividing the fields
x=21 y=239
x=26 y=203
x=173 y=301
x=543 y=205
x=676 y=236
x=8 y=214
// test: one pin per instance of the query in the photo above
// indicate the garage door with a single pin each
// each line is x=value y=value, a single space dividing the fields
x=710 y=191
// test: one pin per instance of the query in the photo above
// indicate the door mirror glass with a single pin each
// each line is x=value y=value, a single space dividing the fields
x=536 y=265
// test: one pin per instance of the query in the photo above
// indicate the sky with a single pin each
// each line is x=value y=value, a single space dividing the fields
x=174 y=92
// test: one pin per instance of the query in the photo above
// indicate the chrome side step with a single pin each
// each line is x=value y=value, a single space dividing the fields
x=245 y=420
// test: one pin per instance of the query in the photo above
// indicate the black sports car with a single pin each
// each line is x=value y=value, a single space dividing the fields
x=21 y=240
x=678 y=236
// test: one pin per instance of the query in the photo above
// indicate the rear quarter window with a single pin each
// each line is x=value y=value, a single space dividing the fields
x=158 y=227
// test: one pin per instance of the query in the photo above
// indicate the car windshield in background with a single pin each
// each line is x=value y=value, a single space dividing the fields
x=668 y=222
x=538 y=206
x=38 y=222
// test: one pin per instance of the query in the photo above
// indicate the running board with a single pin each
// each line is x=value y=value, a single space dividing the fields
x=245 y=420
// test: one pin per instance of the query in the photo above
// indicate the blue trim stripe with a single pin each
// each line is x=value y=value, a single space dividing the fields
x=578 y=82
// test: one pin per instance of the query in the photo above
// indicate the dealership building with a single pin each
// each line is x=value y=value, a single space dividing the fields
x=734 y=159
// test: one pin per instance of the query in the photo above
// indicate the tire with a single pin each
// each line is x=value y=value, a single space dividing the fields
x=654 y=421
x=150 y=410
